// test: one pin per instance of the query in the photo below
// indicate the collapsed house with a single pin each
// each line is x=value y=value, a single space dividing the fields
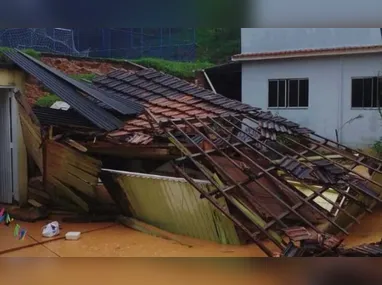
x=191 y=162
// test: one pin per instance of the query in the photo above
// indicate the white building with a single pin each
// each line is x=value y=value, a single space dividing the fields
x=323 y=79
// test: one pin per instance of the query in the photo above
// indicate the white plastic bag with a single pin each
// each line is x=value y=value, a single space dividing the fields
x=50 y=230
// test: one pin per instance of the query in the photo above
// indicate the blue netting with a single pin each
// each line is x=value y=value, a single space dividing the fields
x=167 y=43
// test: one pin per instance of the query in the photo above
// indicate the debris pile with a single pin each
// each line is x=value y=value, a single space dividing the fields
x=181 y=158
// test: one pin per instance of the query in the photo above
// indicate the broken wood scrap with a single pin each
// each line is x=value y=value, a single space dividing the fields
x=34 y=203
x=23 y=103
x=36 y=183
x=76 y=145
x=30 y=214
x=58 y=189
x=151 y=230
x=72 y=168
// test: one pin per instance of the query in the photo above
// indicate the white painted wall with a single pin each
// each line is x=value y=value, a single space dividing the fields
x=329 y=94
x=277 y=39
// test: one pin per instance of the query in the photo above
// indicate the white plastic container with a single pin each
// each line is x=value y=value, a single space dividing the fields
x=72 y=235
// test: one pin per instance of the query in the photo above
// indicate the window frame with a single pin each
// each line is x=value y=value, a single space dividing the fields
x=351 y=91
x=287 y=88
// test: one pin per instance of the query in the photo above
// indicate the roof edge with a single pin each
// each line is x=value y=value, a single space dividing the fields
x=306 y=53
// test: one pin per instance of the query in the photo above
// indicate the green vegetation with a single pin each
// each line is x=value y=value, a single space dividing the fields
x=30 y=52
x=50 y=99
x=377 y=147
x=217 y=45
x=47 y=100
x=175 y=68
x=86 y=77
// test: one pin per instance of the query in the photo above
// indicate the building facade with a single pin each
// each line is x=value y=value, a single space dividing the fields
x=323 y=79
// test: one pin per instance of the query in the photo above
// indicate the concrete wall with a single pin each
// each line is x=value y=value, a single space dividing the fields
x=276 y=39
x=329 y=94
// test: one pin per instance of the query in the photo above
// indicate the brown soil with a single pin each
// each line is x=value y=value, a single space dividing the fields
x=80 y=66
x=34 y=90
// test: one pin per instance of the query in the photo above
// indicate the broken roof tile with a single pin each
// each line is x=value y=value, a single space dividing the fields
x=177 y=98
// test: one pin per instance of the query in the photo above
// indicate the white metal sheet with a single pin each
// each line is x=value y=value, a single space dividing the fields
x=6 y=183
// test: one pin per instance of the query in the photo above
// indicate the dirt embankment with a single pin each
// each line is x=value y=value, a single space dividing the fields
x=72 y=66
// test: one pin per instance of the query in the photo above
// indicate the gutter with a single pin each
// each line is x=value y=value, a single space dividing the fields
x=243 y=57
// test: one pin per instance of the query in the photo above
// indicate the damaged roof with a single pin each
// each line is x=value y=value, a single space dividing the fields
x=68 y=89
x=269 y=184
x=169 y=97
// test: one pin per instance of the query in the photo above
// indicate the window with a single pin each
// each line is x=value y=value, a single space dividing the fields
x=288 y=93
x=366 y=92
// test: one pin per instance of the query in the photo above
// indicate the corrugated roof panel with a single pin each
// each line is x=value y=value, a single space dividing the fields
x=172 y=204
x=48 y=116
x=125 y=108
x=85 y=107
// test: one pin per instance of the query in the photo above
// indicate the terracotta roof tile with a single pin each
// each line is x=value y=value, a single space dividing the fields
x=164 y=95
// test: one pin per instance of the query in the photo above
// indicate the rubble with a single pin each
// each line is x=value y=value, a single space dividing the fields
x=163 y=151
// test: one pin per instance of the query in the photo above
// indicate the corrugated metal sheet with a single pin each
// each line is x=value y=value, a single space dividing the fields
x=6 y=185
x=172 y=204
x=48 y=116
x=125 y=107
x=61 y=88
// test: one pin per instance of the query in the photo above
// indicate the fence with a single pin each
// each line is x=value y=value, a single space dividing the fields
x=167 y=43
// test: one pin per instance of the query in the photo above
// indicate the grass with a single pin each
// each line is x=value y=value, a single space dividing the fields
x=87 y=77
x=30 y=52
x=377 y=148
x=175 y=68
x=50 y=99
x=47 y=101
x=180 y=69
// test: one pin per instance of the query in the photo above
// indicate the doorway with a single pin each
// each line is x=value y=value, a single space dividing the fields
x=8 y=157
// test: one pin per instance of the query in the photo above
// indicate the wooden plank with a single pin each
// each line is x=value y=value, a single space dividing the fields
x=72 y=153
x=34 y=203
x=62 y=168
x=63 y=162
x=32 y=138
x=37 y=192
x=72 y=168
x=23 y=103
x=76 y=145
x=61 y=189
x=71 y=180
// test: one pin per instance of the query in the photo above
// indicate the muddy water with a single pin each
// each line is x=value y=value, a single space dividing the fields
x=369 y=230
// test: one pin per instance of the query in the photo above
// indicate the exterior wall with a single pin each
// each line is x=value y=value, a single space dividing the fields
x=14 y=78
x=277 y=39
x=329 y=94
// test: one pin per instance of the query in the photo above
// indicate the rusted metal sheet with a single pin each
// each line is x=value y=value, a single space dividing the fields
x=67 y=168
x=274 y=208
x=173 y=205
x=247 y=169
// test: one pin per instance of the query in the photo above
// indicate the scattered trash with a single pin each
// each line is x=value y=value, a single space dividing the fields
x=50 y=230
x=72 y=235
x=18 y=231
